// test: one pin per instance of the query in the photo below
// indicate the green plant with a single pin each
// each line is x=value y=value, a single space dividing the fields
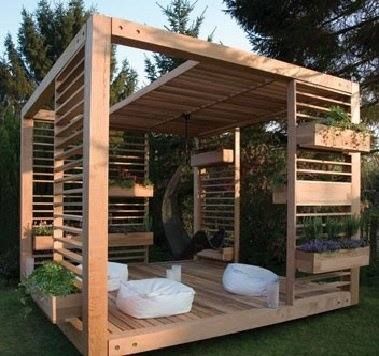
x=50 y=279
x=42 y=229
x=126 y=183
x=312 y=228
x=147 y=181
x=351 y=225
x=333 y=227
x=338 y=118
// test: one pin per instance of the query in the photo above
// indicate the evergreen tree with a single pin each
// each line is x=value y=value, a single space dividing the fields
x=124 y=83
x=178 y=14
x=339 y=36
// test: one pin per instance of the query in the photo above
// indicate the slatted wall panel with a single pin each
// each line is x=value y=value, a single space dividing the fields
x=323 y=178
x=68 y=163
x=43 y=175
x=217 y=190
x=128 y=160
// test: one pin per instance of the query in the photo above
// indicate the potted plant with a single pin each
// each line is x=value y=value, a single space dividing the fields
x=42 y=236
x=125 y=185
x=52 y=288
x=334 y=132
x=332 y=249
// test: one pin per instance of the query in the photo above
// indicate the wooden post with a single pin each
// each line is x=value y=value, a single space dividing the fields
x=147 y=176
x=291 y=193
x=355 y=188
x=26 y=193
x=95 y=184
x=196 y=196
x=237 y=189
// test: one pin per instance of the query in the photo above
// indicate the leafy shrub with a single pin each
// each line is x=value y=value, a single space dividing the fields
x=50 y=279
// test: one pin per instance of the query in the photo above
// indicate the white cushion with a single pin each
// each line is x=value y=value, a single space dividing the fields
x=154 y=298
x=117 y=272
x=249 y=280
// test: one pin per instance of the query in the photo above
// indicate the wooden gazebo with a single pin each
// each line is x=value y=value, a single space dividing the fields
x=67 y=160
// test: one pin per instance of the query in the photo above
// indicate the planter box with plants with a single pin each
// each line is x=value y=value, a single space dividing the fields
x=42 y=236
x=130 y=188
x=212 y=158
x=52 y=288
x=333 y=249
x=334 y=133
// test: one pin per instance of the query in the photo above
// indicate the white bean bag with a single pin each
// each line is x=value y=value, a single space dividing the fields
x=252 y=280
x=117 y=272
x=154 y=298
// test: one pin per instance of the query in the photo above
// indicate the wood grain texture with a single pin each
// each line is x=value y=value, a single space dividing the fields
x=95 y=184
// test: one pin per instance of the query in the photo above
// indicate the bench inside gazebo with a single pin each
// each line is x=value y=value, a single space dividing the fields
x=71 y=156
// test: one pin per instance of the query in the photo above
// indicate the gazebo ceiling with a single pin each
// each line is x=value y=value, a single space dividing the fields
x=217 y=97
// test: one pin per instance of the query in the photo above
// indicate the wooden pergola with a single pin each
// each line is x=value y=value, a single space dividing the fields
x=221 y=89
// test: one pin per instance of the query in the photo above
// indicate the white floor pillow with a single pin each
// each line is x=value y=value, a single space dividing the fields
x=154 y=298
x=117 y=272
x=252 y=280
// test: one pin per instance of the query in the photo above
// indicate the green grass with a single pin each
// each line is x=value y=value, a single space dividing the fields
x=353 y=331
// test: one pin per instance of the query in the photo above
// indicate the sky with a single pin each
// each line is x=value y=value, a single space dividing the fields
x=142 y=11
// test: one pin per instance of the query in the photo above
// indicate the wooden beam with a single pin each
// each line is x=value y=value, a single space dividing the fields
x=26 y=194
x=45 y=91
x=95 y=184
x=291 y=193
x=355 y=188
x=132 y=34
x=237 y=192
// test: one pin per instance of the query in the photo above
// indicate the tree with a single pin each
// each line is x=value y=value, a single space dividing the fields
x=338 y=36
x=172 y=180
x=178 y=14
x=124 y=83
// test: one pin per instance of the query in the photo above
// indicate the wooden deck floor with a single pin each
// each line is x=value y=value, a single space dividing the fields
x=215 y=312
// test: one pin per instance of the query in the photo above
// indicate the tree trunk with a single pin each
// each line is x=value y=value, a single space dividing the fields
x=177 y=237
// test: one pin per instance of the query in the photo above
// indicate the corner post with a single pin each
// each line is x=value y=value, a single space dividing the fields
x=355 y=188
x=26 y=194
x=237 y=192
x=196 y=195
x=95 y=185
x=291 y=193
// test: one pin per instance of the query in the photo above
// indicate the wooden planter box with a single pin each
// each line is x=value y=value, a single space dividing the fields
x=131 y=239
x=43 y=242
x=324 y=137
x=314 y=193
x=212 y=158
x=224 y=254
x=138 y=190
x=315 y=263
x=59 y=308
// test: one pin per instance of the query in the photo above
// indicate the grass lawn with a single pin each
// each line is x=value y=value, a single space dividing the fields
x=353 y=331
